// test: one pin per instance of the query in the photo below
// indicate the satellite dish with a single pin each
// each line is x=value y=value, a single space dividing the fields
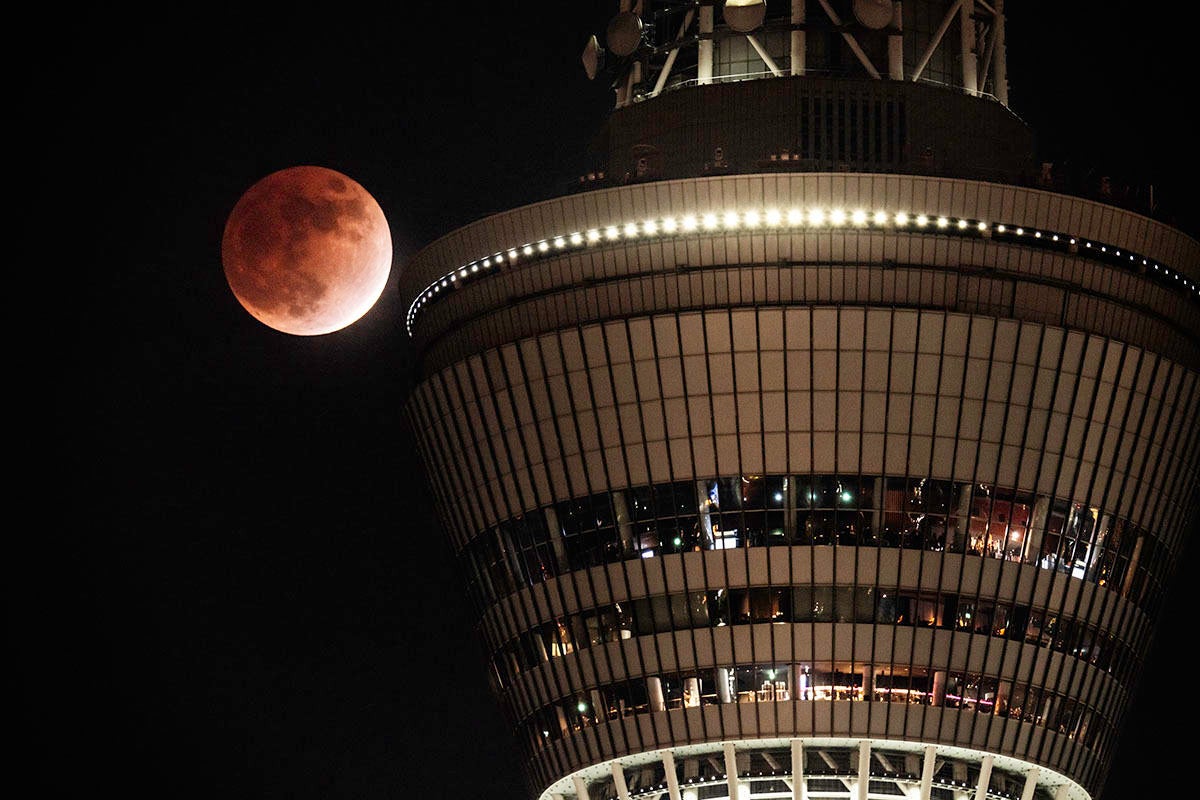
x=624 y=33
x=874 y=14
x=592 y=55
x=744 y=15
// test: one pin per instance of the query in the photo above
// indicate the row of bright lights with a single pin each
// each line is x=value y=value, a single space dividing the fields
x=754 y=219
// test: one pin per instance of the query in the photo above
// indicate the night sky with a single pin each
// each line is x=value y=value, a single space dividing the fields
x=234 y=586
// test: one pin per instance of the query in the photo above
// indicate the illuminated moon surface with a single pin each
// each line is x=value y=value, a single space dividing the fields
x=307 y=251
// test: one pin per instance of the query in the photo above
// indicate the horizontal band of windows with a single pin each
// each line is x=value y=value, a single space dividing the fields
x=722 y=607
x=856 y=511
x=818 y=682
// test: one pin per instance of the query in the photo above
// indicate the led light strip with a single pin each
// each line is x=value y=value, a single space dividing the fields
x=777 y=219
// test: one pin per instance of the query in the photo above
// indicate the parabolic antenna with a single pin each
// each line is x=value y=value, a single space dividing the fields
x=874 y=14
x=624 y=33
x=591 y=58
x=744 y=15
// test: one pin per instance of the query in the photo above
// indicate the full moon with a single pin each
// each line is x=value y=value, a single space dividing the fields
x=307 y=251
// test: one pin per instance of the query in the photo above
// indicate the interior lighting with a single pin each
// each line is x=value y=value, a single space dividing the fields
x=795 y=216
x=512 y=255
x=593 y=235
x=880 y=218
x=560 y=242
x=942 y=222
x=669 y=224
x=612 y=232
x=689 y=223
x=474 y=268
x=962 y=224
x=859 y=217
x=816 y=216
x=922 y=220
x=527 y=250
x=710 y=221
x=837 y=216
x=576 y=238
x=650 y=227
x=731 y=219
x=751 y=219
x=543 y=246
x=774 y=217
x=631 y=229
x=982 y=226
x=901 y=218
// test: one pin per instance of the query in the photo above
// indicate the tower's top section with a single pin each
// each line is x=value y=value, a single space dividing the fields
x=651 y=47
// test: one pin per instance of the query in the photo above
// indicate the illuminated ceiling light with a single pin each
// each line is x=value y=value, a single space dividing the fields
x=731 y=219
x=462 y=273
x=942 y=222
x=709 y=221
x=669 y=224
x=560 y=242
x=774 y=217
x=1072 y=241
x=576 y=238
x=859 y=217
x=1037 y=234
x=1020 y=231
x=837 y=217
x=1054 y=238
x=922 y=220
x=631 y=229
x=816 y=216
x=527 y=249
x=650 y=227
x=593 y=235
x=880 y=218
x=779 y=497
x=795 y=216
x=751 y=219
x=901 y=218
x=543 y=246
x=487 y=262
x=612 y=232
x=453 y=277
x=474 y=268
x=1103 y=249
x=689 y=223
x=847 y=496
x=982 y=226
x=582 y=706
x=512 y=255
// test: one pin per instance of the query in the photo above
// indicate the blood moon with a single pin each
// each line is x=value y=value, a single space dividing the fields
x=307 y=250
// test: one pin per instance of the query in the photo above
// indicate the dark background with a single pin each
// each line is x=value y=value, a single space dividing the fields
x=234 y=586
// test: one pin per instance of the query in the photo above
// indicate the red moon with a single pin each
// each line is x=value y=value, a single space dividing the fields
x=307 y=251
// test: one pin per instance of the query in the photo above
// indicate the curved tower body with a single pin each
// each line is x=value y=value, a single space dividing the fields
x=818 y=443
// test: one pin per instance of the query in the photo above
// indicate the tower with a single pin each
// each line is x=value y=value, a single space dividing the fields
x=817 y=442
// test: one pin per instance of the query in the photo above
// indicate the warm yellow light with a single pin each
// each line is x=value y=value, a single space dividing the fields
x=631 y=229
x=837 y=216
x=689 y=223
x=922 y=220
x=650 y=227
x=859 y=217
x=751 y=219
x=731 y=219
x=710 y=221
x=669 y=224
x=816 y=216
x=942 y=222
x=593 y=235
x=774 y=217
x=612 y=232
x=880 y=218
x=795 y=216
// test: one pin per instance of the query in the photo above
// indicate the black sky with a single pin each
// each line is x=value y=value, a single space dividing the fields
x=235 y=587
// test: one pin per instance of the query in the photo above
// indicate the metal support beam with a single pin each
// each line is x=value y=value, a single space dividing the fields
x=850 y=40
x=666 y=70
x=764 y=55
x=936 y=40
x=619 y=780
x=985 y=777
x=799 y=792
x=927 y=771
x=731 y=776
x=999 y=56
x=1031 y=783
x=970 y=61
x=896 y=44
x=672 y=777
x=799 y=43
x=864 y=769
x=704 y=62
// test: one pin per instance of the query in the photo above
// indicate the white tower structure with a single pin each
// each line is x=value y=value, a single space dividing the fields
x=817 y=443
